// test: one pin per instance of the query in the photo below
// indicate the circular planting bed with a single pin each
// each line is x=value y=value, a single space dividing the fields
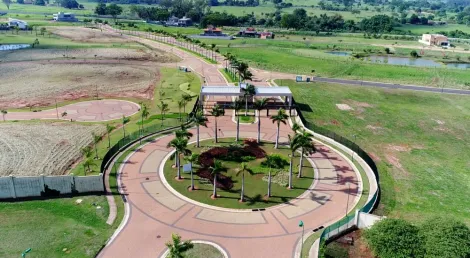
x=229 y=182
x=201 y=250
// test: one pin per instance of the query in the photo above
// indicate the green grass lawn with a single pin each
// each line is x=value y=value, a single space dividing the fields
x=247 y=119
x=255 y=187
x=50 y=226
x=419 y=142
x=203 y=250
x=421 y=29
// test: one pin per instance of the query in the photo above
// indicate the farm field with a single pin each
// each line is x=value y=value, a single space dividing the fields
x=49 y=148
x=418 y=141
x=54 y=228
x=420 y=29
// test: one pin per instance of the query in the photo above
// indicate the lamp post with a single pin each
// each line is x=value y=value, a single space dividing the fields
x=301 y=224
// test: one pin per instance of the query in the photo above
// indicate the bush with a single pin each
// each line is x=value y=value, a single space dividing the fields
x=395 y=238
x=276 y=161
x=387 y=50
x=335 y=250
x=445 y=238
x=414 y=54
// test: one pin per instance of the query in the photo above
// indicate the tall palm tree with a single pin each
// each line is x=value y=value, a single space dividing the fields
x=216 y=169
x=242 y=68
x=4 y=112
x=243 y=168
x=177 y=248
x=109 y=129
x=216 y=112
x=125 y=120
x=199 y=119
x=270 y=163
x=296 y=127
x=237 y=105
x=96 y=139
x=259 y=105
x=280 y=117
x=306 y=147
x=181 y=146
x=181 y=104
x=187 y=98
x=144 y=113
x=163 y=109
x=87 y=164
x=293 y=147
x=193 y=158
x=86 y=151
x=249 y=91
x=183 y=132
x=227 y=57
x=246 y=75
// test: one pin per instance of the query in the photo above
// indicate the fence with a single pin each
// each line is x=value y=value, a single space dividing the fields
x=12 y=187
x=348 y=221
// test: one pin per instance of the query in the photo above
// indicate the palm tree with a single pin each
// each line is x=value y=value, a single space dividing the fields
x=181 y=146
x=216 y=112
x=87 y=164
x=242 y=68
x=243 y=168
x=296 y=127
x=144 y=113
x=177 y=248
x=294 y=145
x=246 y=75
x=64 y=114
x=96 y=139
x=109 y=129
x=86 y=151
x=4 y=112
x=250 y=90
x=237 y=105
x=125 y=120
x=181 y=104
x=279 y=118
x=259 y=105
x=216 y=169
x=270 y=163
x=187 y=98
x=183 y=132
x=193 y=158
x=163 y=109
x=306 y=146
x=199 y=119
x=228 y=57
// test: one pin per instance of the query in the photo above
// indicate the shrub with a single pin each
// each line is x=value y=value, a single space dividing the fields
x=395 y=238
x=223 y=182
x=414 y=54
x=276 y=161
x=445 y=238
x=335 y=250
x=281 y=178
x=387 y=50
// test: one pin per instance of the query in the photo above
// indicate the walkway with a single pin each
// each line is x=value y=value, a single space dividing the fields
x=155 y=212
x=87 y=111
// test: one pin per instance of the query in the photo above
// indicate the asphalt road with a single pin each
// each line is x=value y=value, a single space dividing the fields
x=392 y=86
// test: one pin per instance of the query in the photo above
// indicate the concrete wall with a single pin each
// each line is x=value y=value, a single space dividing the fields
x=22 y=187
x=366 y=220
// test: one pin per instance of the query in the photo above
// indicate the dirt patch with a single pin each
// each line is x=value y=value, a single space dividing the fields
x=344 y=107
x=359 y=104
x=31 y=149
x=88 y=35
x=439 y=122
x=374 y=156
x=38 y=84
x=399 y=148
x=376 y=129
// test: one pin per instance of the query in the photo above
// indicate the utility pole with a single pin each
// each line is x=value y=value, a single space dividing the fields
x=301 y=224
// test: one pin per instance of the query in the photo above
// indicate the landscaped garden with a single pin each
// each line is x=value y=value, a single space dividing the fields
x=233 y=161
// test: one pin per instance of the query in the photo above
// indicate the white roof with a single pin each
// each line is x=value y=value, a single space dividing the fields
x=221 y=90
x=273 y=91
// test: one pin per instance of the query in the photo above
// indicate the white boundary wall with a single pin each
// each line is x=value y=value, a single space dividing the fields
x=12 y=187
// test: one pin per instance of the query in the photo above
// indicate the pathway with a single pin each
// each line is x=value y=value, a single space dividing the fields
x=155 y=212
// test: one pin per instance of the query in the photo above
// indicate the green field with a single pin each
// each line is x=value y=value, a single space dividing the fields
x=420 y=29
x=417 y=139
x=54 y=228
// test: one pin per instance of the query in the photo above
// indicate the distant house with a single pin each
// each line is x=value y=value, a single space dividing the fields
x=184 y=22
x=172 y=21
x=17 y=23
x=65 y=17
x=435 y=40
x=252 y=33
x=213 y=32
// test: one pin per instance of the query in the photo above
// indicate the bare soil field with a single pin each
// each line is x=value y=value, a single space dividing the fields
x=30 y=149
x=142 y=54
x=81 y=34
x=39 y=84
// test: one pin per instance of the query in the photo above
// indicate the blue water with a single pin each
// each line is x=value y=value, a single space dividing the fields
x=339 y=53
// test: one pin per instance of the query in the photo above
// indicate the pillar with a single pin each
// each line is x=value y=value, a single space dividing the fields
x=43 y=183
x=12 y=187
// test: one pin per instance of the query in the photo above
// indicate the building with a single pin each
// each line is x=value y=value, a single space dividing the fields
x=65 y=17
x=435 y=40
x=22 y=25
x=252 y=33
x=172 y=21
x=184 y=22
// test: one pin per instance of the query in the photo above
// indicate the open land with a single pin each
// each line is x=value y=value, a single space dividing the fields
x=418 y=141
x=31 y=149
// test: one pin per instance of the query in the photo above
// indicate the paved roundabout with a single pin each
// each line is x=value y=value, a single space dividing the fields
x=86 y=111
x=155 y=211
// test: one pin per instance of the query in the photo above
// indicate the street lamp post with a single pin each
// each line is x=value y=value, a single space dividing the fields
x=301 y=224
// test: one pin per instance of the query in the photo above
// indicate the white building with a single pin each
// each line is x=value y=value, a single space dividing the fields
x=17 y=23
x=65 y=17
x=435 y=40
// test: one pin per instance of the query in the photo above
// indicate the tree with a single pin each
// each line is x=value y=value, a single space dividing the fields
x=69 y=4
x=394 y=238
x=42 y=31
x=144 y=113
x=216 y=169
x=87 y=164
x=96 y=139
x=7 y=3
x=445 y=237
x=100 y=9
x=243 y=168
x=306 y=147
x=177 y=248
x=125 y=120
x=4 y=113
x=280 y=117
x=293 y=147
x=270 y=163
x=86 y=151
x=63 y=114
x=199 y=119
x=163 y=109
x=109 y=129
x=181 y=104
x=242 y=69
x=249 y=91
x=216 y=112
x=181 y=146
x=227 y=56
x=114 y=10
x=237 y=105
x=259 y=105
x=187 y=98
x=414 y=54
x=193 y=158
x=183 y=132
